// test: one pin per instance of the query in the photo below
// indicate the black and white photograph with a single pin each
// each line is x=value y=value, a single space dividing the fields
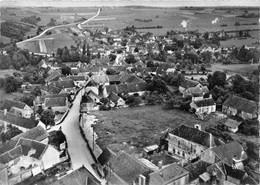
x=129 y=92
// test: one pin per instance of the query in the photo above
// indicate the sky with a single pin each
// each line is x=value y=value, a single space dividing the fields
x=156 y=3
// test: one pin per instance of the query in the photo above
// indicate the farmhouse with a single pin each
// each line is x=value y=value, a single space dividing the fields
x=59 y=104
x=115 y=100
x=232 y=125
x=188 y=83
x=241 y=107
x=188 y=142
x=24 y=124
x=16 y=107
x=206 y=105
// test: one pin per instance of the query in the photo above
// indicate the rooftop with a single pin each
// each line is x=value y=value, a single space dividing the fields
x=55 y=102
x=8 y=104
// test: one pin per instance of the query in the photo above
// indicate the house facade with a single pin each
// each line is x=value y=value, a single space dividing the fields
x=205 y=105
x=188 y=142
x=241 y=107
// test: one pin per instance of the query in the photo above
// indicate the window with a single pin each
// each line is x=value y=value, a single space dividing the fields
x=179 y=143
x=183 y=154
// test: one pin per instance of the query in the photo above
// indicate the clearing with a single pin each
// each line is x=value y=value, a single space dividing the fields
x=131 y=129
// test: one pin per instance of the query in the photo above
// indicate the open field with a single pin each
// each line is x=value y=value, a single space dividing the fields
x=243 y=69
x=139 y=127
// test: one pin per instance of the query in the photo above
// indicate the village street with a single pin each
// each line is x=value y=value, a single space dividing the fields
x=77 y=147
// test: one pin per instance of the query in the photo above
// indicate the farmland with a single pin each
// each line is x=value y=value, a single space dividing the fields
x=134 y=128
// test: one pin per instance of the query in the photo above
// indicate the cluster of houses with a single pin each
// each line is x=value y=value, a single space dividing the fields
x=213 y=162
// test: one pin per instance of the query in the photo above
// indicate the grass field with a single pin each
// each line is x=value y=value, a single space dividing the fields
x=243 y=69
x=132 y=129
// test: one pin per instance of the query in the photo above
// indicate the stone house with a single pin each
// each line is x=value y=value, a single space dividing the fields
x=16 y=107
x=205 y=105
x=241 y=107
x=188 y=83
x=59 y=104
x=188 y=142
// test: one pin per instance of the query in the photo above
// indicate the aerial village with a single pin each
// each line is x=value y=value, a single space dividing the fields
x=45 y=134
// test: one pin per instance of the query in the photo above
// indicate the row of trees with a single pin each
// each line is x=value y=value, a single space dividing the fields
x=32 y=19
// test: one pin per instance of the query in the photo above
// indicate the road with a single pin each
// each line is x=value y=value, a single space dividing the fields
x=79 y=25
x=77 y=147
x=59 y=26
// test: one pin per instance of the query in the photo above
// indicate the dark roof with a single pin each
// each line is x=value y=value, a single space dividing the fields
x=232 y=123
x=11 y=155
x=75 y=71
x=127 y=167
x=204 y=102
x=80 y=176
x=40 y=99
x=127 y=88
x=18 y=120
x=106 y=156
x=241 y=104
x=235 y=173
x=55 y=102
x=167 y=174
x=229 y=150
x=194 y=135
x=113 y=97
x=74 y=78
x=196 y=169
x=8 y=146
x=8 y=104
x=187 y=83
x=37 y=133
x=28 y=145
x=249 y=180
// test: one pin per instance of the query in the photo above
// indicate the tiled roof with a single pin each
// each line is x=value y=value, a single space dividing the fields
x=198 y=90
x=100 y=79
x=55 y=102
x=127 y=88
x=8 y=104
x=41 y=99
x=196 y=169
x=29 y=145
x=204 y=102
x=80 y=176
x=194 y=135
x=11 y=155
x=235 y=173
x=75 y=71
x=74 y=78
x=113 y=97
x=167 y=174
x=62 y=84
x=228 y=151
x=114 y=78
x=241 y=104
x=18 y=120
x=127 y=167
x=37 y=133
x=187 y=83
x=232 y=123
x=106 y=156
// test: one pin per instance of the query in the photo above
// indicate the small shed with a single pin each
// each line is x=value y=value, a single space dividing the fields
x=232 y=125
x=149 y=150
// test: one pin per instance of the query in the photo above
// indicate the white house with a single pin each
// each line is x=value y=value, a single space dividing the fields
x=206 y=105
x=232 y=125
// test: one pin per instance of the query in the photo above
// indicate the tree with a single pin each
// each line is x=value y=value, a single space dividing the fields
x=158 y=84
x=132 y=100
x=47 y=117
x=130 y=59
x=111 y=71
x=65 y=70
x=11 y=132
x=12 y=84
x=28 y=99
x=217 y=79
x=206 y=56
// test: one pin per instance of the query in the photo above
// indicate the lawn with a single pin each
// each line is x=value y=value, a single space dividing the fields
x=242 y=69
x=131 y=129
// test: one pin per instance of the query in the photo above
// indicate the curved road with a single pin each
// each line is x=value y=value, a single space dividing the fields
x=77 y=147
x=41 y=34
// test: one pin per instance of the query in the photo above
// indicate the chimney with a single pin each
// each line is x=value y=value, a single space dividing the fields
x=5 y=111
x=142 y=180
x=197 y=126
x=160 y=164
